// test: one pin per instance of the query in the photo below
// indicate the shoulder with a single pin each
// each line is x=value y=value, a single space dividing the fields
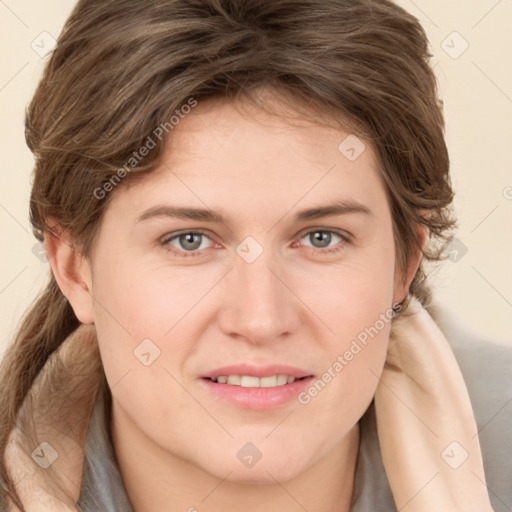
x=486 y=366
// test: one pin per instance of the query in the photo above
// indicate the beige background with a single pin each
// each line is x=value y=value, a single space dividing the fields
x=475 y=83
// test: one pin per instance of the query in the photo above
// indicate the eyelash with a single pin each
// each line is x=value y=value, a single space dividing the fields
x=165 y=242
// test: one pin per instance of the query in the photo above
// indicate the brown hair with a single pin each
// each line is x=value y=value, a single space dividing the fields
x=124 y=67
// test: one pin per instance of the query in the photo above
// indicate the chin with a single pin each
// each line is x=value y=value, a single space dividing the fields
x=263 y=474
x=247 y=465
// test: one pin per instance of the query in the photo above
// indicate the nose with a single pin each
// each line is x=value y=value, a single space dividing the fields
x=259 y=306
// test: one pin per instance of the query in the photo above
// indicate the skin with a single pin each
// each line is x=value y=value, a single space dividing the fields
x=296 y=304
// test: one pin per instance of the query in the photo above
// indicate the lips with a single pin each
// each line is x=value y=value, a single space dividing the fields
x=255 y=371
x=256 y=387
x=248 y=381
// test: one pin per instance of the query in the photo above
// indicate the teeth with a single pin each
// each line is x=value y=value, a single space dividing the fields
x=282 y=379
x=247 y=381
x=268 y=382
x=235 y=380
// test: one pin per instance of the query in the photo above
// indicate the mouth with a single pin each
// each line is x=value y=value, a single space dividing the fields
x=249 y=381
x=249 y=387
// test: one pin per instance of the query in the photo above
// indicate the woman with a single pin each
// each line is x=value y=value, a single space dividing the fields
x=194 y=348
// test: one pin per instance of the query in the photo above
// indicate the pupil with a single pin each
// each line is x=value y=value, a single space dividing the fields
x=187 y=241
x=322 y=237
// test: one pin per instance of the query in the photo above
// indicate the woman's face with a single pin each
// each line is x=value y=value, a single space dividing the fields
x=277 y=287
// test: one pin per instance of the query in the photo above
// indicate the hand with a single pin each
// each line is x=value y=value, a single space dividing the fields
x=422 y=407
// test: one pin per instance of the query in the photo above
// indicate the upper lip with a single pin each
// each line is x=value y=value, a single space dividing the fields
x=257 y=371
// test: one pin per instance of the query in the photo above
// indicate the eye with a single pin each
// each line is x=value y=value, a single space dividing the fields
x=186 y=243
x=321 y=240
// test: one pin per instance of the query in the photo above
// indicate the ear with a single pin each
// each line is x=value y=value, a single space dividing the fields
x=71 y=270
x=403 y=279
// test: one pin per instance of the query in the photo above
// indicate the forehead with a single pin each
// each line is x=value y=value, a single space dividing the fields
x=237 y=155
x=217 y=124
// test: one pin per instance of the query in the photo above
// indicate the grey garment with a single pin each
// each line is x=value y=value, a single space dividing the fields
x=102 y=487
x=487 y=370
x=371 y=488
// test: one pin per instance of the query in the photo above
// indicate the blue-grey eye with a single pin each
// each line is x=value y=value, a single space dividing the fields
x=190 y=241
x=321 y=239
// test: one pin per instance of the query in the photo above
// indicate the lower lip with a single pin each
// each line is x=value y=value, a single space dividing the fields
x=258 y=398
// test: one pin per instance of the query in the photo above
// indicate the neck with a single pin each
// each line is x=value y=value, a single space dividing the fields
x=157 y=480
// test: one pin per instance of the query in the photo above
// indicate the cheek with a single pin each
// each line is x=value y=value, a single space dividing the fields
x=132 y=316
x=338 y=398
x=143 y=316
x=349 y=296
x=356 y=306
x=147 y=297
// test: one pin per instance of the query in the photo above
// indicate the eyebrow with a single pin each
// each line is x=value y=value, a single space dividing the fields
x=341 y=207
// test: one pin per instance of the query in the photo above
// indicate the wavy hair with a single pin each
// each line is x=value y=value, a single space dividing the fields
x=121 y=68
